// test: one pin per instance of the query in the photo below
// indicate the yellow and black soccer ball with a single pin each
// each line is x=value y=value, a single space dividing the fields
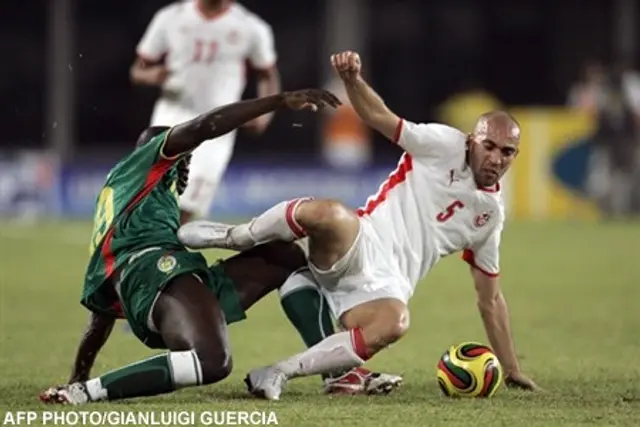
x=469 y=370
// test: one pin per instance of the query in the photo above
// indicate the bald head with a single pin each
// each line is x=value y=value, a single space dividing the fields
x=497 y=125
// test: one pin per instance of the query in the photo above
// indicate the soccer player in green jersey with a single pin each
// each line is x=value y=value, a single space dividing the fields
x=139 y=270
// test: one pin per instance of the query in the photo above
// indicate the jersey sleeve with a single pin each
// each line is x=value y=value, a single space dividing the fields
x=262 y=54
x=428 y=139
x=485 y=256
x=153 y=44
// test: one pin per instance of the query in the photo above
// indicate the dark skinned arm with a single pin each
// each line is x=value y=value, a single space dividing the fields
x=187 y=136
x=94 y=337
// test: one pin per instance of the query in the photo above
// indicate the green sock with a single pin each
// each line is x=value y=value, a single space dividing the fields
x=306 y=308
x=307 y=311
x=159 y=374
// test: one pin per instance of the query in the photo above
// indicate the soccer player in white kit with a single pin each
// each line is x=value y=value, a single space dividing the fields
x=197 y=52
x=444 y=197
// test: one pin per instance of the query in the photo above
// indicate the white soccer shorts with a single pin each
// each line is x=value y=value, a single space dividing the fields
x=367 y=272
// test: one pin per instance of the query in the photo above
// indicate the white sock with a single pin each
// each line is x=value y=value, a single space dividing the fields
x=95 y=390
x=334 y=353
x=276 y=223
x=185 y=368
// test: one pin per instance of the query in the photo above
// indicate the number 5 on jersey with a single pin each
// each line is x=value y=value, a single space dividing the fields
x=450 y=211
x=102 y=219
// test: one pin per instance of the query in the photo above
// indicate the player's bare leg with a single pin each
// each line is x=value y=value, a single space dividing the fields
x=332 y=230
x=192 y=325
x=308 y=311
x=371 y=327
x=258 y=271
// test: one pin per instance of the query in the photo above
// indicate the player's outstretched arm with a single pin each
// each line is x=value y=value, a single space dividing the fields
x=365 y=101
x=94 y=337
x=187 y=136
x=495 y=316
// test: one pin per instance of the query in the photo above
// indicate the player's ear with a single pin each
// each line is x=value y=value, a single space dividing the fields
x=469 y=141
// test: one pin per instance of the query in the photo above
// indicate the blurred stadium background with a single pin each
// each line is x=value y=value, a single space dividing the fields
x=566 y=69
x=69 y=109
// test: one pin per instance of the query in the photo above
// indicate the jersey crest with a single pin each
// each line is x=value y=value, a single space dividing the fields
x=482 y=219
x=166 y=263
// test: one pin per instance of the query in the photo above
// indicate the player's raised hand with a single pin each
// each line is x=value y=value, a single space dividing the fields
x=347 y=64
x=311 y=99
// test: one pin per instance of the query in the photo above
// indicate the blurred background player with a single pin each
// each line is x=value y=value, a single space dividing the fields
x=610 y=95
x=197 y=51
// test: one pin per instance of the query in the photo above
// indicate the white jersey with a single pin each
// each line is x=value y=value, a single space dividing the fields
x=206 y=56
x=431 y=207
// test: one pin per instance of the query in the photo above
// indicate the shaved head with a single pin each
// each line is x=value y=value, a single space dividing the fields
x=499 y=123
x=492 y=146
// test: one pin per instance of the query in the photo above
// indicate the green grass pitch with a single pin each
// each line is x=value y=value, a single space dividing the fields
x=573 y=291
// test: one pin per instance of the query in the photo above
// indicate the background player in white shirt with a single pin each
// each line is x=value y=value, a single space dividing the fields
x=197 y=52
x=444 y=197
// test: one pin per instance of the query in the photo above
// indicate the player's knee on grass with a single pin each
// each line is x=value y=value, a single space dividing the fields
x=216 y=363
x=332 y=228
x=382 y=322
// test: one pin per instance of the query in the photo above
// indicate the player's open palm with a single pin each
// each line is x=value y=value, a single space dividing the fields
x=311 y=99
x=347 y=64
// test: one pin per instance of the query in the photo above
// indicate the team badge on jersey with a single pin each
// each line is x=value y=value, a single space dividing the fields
x=482 y=219
x=166 y=263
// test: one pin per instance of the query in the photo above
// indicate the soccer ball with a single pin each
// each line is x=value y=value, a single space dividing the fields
x=469 y=370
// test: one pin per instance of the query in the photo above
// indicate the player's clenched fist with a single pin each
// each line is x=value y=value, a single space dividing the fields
x=310 y=99
x=347 y=64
